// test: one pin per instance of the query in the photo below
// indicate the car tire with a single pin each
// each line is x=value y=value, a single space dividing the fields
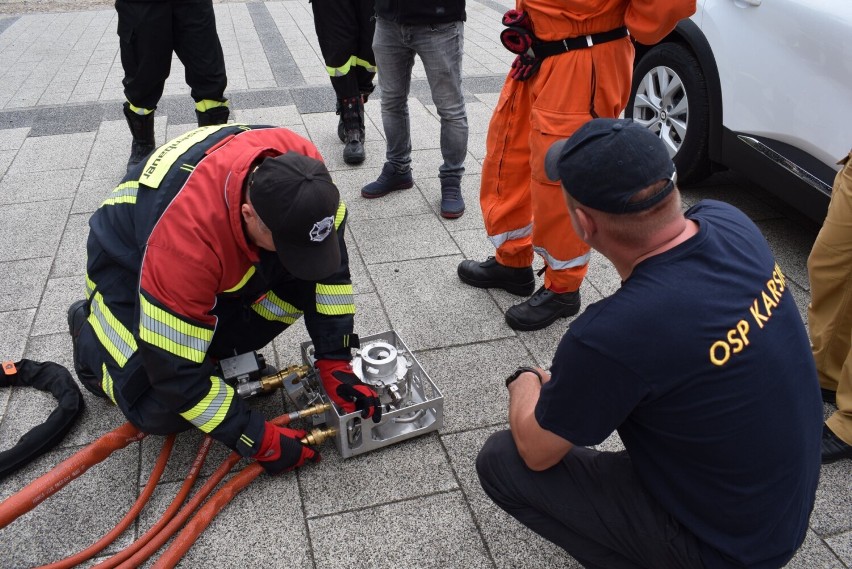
x=669 y=96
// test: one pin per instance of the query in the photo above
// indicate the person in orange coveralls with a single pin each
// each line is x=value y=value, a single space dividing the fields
x=575 y=63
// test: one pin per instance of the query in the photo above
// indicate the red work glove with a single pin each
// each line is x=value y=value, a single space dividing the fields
x=524 y=67
x=347 y=391
x=280 y=449
x=519 y=19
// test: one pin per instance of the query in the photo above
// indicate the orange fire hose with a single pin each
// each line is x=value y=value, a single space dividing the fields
x=107 y=539
x=156 y=542
x=205 y=515
x=74 y=466
x=178 y=500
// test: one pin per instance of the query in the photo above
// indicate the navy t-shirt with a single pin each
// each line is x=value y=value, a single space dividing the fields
x=701 y=362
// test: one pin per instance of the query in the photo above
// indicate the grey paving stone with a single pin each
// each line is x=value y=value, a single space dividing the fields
x=92 y=192
x=12 y=138
x=276 y=116
x=446 y=537
x=105 y=488
x=814 y=553
x=108 y=160
x=403 y=238
x=14 y=328
x=511 y=545
x=603 y=275
x=471 y=378
x=22 y=282
x=39 y=186
x=841 y=545
x=6 y=157
x=59 y=152
x=336 y=485
x=35 y=232
x=727 y=187
x=429 y=308
x=52 y=316
x=833 y=508
x=361 y=282
x=71 y=256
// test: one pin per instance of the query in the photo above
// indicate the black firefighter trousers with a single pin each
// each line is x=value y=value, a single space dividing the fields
x=149 y=32
x=345 y=30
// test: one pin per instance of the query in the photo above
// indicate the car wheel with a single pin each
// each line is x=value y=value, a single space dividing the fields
x=669 y=97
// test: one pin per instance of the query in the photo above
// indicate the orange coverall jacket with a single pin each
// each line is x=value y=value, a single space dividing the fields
x=522 y=209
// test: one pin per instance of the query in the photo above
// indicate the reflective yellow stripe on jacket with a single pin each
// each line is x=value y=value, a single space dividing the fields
x=272 y=307
x=209 y=413
x=117 y=339
x=335 y=300
x=170 y=333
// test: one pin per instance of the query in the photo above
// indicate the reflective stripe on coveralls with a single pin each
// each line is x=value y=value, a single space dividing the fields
x=208 y=413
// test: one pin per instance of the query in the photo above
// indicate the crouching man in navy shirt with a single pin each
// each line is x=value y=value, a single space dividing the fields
x=700 y=362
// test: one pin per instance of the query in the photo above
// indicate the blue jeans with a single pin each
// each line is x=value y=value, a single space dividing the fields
x=440 y=49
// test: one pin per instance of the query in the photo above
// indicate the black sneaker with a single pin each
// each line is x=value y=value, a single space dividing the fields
x=77 y=314
x=833 y=448
x=491 y=274
x=543 y=309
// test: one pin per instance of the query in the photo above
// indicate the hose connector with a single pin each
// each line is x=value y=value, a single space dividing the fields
x=318 y=436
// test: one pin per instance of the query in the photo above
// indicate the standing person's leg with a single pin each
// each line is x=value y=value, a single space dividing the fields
x=441 y=48
x=504 y=196
x=591 y=504
x=830 y=313
x=366 y=70
x=336 y=25
x=145 y=42
x=394 y=60
x=197 y=45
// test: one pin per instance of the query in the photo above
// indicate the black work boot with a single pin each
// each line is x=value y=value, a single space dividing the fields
x=142 y=129
x=213 y=116
x=353 y=125
x=77 y=314
x=452 y=203
x=491 y=274
x=388 y=181
x=543 y=309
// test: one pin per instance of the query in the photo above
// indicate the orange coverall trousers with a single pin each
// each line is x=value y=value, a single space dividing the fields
x=522 y=209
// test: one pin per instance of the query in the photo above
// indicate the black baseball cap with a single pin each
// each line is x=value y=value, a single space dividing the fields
x=295 y=198
x=606 y=161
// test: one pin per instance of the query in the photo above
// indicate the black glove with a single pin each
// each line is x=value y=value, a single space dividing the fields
x=347 y=391
x=280 y=449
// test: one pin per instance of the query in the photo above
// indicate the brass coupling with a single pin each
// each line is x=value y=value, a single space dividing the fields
x=318 y=436
x=291 y=373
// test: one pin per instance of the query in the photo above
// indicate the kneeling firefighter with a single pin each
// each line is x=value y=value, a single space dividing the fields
x=217 y=243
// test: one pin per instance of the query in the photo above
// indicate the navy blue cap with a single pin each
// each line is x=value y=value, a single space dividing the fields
x=606 y=161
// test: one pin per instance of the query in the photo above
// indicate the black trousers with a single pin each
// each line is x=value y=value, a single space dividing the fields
x=591 y=504
x=345 y=29
x=149 y=32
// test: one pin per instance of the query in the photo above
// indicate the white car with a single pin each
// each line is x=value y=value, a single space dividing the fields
x=763 y=87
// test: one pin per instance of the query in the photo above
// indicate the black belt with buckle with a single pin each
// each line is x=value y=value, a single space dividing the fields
x=548 y=48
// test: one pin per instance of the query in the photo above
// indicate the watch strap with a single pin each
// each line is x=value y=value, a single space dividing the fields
x=524 y=369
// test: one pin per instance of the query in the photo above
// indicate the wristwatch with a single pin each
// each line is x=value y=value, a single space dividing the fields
x=521 y=370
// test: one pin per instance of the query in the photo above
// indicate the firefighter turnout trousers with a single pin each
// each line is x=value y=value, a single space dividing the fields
x=149 y=32
x=345 y=33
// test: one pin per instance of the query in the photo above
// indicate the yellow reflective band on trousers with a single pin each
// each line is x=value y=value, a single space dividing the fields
x=335 y=300
x=112 y=334
x=170 y=333
x=273 y=308
x=249 y=274
x=107 y=385
x=246 y=440
x=123 y=193
x=353 y=61
x=207 y=104
x=209 y=413
x=139 y=110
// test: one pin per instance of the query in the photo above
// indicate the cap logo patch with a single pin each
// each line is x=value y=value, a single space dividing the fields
x=322 y=228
